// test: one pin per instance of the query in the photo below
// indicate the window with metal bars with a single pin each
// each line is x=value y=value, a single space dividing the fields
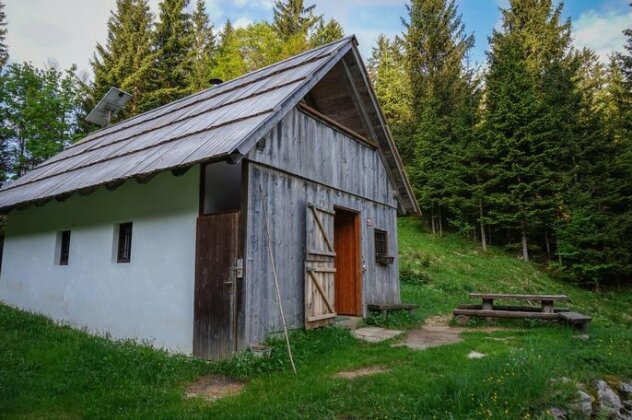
x=124 y=254
x=381 y=244
x=64 y=247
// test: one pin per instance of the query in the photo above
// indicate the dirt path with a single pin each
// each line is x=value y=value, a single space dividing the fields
x=436 y=331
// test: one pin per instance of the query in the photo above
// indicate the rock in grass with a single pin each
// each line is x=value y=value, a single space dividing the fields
x=625 y=389
x=609 y=401
x=583 y=405
x=582 y=337
x=475 y=355
x=557 y=413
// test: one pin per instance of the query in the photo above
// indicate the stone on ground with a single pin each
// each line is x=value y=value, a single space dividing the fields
x=583 y=405
x=475 y=355
x=609 y=401
x=375 y=334
x=557 y=413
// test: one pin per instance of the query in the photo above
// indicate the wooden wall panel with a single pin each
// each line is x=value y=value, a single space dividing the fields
x=306 y=147
x=286 y=197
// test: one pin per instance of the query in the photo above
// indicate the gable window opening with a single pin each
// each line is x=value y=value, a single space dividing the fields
x=381 y=248
x=124 y=250
x=64 y=247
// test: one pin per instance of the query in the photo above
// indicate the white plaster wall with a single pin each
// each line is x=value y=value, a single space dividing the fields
x=149 y=299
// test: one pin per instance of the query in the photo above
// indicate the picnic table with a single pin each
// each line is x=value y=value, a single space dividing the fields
x=545 y=308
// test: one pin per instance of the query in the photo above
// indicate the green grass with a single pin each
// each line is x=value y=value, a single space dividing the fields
x=56 y=372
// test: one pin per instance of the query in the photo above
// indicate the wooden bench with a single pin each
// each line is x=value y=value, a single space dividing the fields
x=384 y=308
x=546 y=310
x=576 y=320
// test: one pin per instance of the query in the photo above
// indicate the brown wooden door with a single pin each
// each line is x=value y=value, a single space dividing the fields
x=319 y=267
x=348 y=264
x=216 y=255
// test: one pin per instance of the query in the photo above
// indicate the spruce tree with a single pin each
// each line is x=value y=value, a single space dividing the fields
x=436 y=47
x=204 y=49
x=326 y=32
x=292 y=19
x=515 y=126
x=387 y=68
x=246 y=49
x=299 y=28
x=173 y=43
x=596 y=223
x=4 y=50
x=126 y=59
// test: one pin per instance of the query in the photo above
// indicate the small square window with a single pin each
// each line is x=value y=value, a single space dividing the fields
x=381 y=244
x=63 y=239
x=124 y=250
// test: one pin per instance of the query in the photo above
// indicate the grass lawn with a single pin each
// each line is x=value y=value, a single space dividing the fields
x=56 y=372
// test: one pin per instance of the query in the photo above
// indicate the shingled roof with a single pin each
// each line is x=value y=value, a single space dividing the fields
x=222 y=122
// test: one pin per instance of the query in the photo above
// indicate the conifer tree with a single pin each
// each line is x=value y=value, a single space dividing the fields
x=246 y=49
x=387 y=68
x=326 y=32
x=4 y=50
x=596 y=224
x=299 y=28
x=125 y=61
x=436 y=46
x=292 y=19
x=204 y=49
x=173 y=43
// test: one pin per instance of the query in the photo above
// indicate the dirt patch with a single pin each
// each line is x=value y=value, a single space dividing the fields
x=214 y=387
x=436 y=331
x=365 y=371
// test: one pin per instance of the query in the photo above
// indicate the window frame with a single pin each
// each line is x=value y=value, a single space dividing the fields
x=383 y=241
x=124 y=243
x=63 y=237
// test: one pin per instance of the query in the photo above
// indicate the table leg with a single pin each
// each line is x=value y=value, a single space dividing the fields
x=547 y=306
x=488 y=305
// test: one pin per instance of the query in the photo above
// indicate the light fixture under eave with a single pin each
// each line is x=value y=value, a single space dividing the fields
x=108 y=106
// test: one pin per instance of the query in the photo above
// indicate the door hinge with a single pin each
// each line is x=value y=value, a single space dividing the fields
x=238 y=268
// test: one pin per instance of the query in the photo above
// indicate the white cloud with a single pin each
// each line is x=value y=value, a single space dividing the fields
x=66 y=31
x=242 y=22
x=602 y=33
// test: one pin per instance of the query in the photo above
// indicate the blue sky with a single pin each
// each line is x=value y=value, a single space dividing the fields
x=68 y=30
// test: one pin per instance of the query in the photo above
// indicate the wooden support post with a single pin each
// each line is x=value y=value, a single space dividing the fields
x=547 y=306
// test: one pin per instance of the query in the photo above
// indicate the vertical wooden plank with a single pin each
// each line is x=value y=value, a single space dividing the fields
x=217 y=249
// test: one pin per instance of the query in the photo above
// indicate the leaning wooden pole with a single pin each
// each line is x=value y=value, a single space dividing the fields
x=276 y=280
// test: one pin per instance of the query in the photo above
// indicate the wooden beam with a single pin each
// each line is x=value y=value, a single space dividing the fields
x=506 y=314
x=321 y=292
x=357 y=100
x=508 y=296
x=335 y=124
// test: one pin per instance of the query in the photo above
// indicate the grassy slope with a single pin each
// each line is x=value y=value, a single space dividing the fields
x=48 y=371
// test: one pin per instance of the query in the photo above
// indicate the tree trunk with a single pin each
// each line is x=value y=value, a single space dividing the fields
x=440 y=222
x=432 y=220
x=525 y=249
x=547 y=244
x=480 y=213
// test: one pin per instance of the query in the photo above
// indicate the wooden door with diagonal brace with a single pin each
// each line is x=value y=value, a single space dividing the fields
x=320 y=267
